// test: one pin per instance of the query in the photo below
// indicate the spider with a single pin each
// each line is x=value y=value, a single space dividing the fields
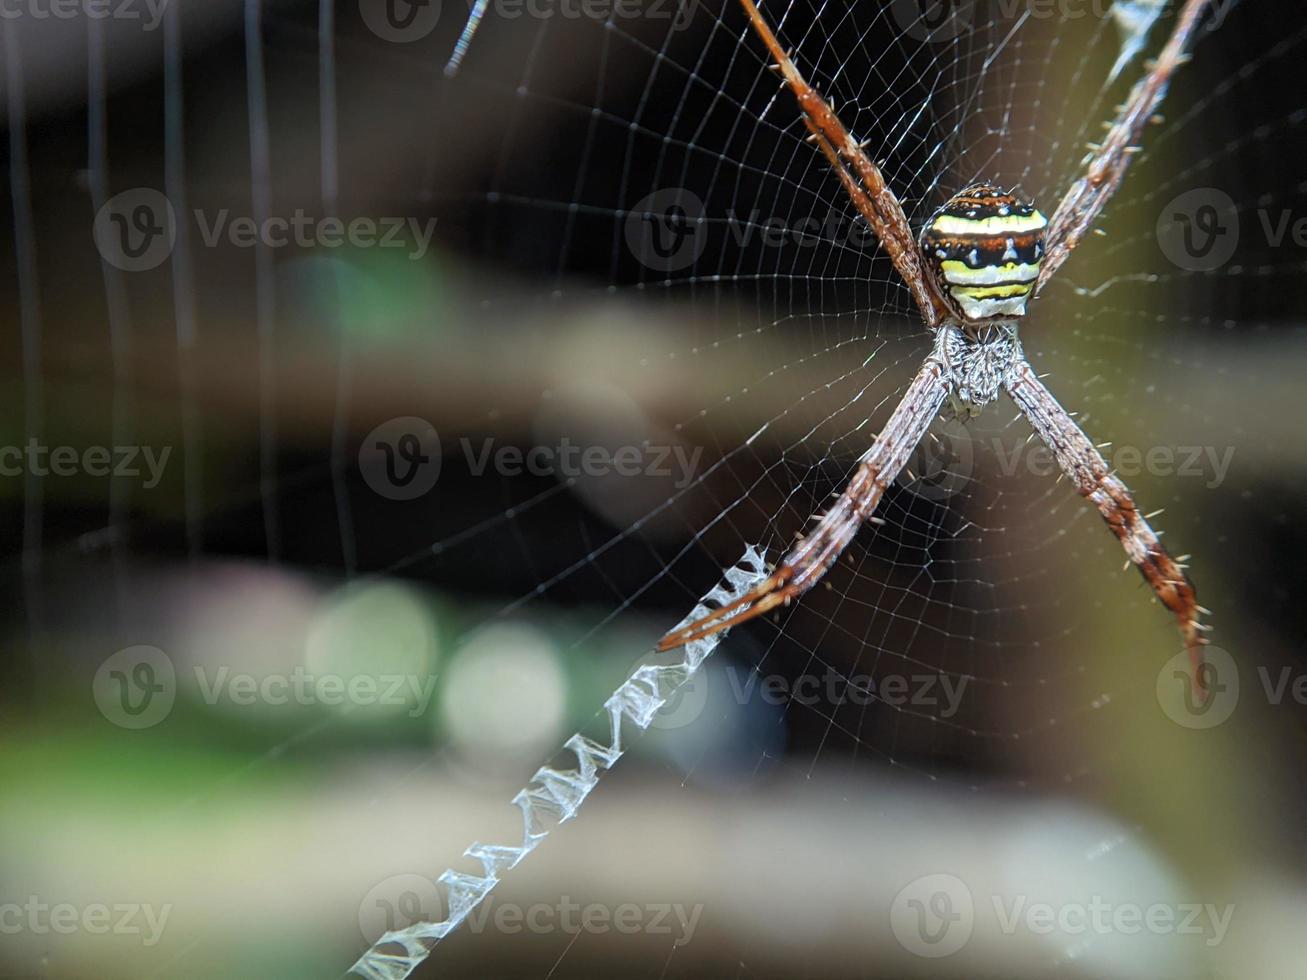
x=977 y=262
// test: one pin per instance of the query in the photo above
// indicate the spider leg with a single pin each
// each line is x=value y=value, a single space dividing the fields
x=865 y=185
x=1080 y=461
x=1085 y=199
x=810 y=559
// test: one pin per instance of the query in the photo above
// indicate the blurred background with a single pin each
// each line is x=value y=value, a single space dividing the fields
x=365 y=424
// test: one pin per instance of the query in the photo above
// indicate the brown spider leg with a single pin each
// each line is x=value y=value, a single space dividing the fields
x=1085 y=199
x=810 y=559
x=869 y=192
x=1090 y=473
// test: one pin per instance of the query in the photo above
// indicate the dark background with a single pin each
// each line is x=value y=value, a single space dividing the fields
x=529 y=161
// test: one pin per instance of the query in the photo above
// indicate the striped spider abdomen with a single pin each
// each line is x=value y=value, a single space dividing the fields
x=984 y=247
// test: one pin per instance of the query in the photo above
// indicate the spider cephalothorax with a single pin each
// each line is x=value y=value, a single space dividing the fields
x=984 y=247
x=978 y=363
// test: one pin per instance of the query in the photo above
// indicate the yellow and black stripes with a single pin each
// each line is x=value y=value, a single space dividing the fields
x=985 y=247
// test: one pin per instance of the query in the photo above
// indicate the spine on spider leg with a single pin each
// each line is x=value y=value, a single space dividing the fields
x=879 y=467
x=807 y=562
x=1087 y=469
x=1107 y=163
x=555 y=794
x=868 y=191
x=804 y=564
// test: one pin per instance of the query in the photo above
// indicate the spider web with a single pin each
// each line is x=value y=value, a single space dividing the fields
x=978 y=649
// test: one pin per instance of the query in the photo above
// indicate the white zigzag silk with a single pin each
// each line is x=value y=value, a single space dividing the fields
x=554 y=795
